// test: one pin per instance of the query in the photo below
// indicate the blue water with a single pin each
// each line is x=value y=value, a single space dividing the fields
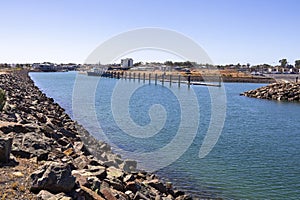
x=256 y=157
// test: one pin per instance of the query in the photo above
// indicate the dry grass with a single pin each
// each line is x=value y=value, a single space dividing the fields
x=14 y=180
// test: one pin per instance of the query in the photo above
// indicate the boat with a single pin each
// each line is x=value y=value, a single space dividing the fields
x=97 y=71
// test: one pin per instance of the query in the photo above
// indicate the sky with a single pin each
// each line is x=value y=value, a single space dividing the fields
x=230 y=31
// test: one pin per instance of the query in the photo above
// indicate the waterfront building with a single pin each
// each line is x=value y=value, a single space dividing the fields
x=126 y=62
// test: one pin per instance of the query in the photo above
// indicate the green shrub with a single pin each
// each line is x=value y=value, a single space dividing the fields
x=2 y=99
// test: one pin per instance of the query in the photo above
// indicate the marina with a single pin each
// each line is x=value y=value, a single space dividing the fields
x=253 y=159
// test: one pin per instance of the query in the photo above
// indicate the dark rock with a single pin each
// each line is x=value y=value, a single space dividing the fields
x=5 y=149
x=132 y=186
x=54 y=177
x=157 y=185
x=17 y=128
x=63 y=141
x=32 y=144
x=116 y=184
x=94 y=183
x=67 y=133
x=41 y=154
x=178 y=193
x=21 y=153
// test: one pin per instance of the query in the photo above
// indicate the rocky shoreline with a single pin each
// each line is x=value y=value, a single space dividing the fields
x=48 y=160
x=284 y=91
x=227 y=79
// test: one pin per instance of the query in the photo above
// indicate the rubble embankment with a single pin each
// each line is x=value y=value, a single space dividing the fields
x=45 y=158
x=283 y=91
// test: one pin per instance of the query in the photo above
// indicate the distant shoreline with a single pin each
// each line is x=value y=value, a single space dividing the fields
x=204 y=76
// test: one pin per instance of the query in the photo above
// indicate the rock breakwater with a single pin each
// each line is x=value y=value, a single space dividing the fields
x=289 y=91
x=49 y=142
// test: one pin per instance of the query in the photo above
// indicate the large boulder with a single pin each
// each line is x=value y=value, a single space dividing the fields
x=32 y=144
x=54 y=177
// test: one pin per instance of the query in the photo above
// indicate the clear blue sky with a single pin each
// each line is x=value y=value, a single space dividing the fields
x=230 y=31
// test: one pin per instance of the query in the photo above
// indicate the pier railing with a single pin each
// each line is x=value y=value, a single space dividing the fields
x=165 y=78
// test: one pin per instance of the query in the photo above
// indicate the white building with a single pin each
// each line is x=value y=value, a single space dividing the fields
x=127 y=62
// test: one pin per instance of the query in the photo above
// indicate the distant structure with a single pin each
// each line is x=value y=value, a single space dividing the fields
x=46 y=66
x=51 y=67
x=126 y=63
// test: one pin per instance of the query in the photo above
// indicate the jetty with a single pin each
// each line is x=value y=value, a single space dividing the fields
x=161 y=77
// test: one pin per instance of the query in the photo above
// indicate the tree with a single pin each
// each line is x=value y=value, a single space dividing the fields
x=297 y=64
x=169 y=63
x=137 y=64
x=283 y=62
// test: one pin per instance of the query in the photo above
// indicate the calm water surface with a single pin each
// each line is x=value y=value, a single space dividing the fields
x=256 y=157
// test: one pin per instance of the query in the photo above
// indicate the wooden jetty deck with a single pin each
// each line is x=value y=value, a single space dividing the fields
x=170 y=78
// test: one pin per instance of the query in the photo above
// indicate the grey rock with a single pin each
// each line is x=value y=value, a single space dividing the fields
x=81 y=162
x=129 y=165
x=128 y=177
x=113 y=172
x=45 y=195
x=54 y=177
x=139 y=196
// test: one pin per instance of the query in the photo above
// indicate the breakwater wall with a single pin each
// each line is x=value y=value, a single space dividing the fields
x=289 y=91
x=68 y=168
